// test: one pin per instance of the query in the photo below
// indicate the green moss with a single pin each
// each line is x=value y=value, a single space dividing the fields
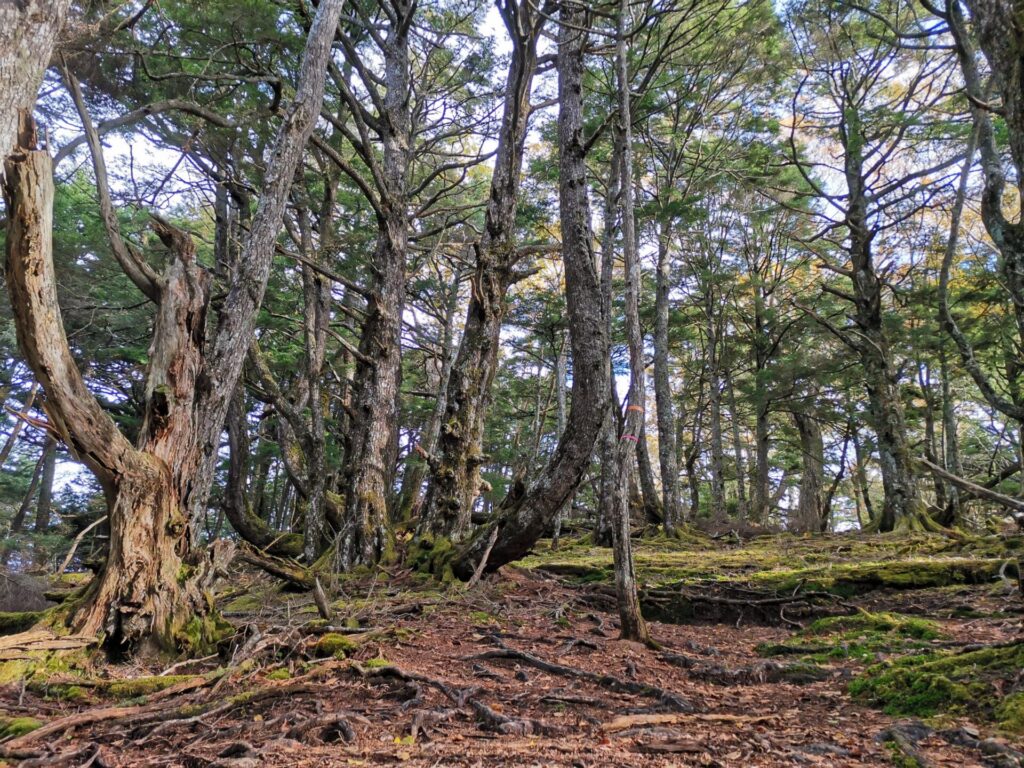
x=334 y=644
x=12 y=622
x=937 y=682
x=142 y=686
x=482 y=617
x=1009 y=713
x=249 y=602
x=185 y=572
x=279 y=674
x=905 y=626
x=377 y=663
x=434 y=555
x=17 y=726
x=201 y=634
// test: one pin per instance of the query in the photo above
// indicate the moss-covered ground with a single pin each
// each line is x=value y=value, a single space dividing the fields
x=835 y=640
x=901 y=625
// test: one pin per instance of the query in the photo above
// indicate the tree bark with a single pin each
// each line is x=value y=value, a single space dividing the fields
x=810 y=508
x=28 y=32
x=631 y=620
x=663 y=390
x=522 y=520
x=152 y=583
x=455 y=481
x=45 y=505
x=372 y=439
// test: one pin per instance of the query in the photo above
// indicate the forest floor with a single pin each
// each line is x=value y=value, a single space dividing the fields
x=829 y=651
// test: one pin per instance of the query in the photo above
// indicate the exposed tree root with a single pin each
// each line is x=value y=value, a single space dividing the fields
x=665 y=698
x=755 y=674
x=513 y=726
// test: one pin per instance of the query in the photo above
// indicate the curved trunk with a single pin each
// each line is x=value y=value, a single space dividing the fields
x=521 y=521
x=455 y=480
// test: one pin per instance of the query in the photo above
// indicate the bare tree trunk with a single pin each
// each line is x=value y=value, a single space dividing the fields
x=861 y=476
x=237 y=506
x=411 y=494
x=455 y=483
x=45 y=505
x=663 y=390
x=144 y=595
x=371 y=442
x=741 y=471
x=610 y=423
x=951 y=444
x=631 y=620
x=522 y=520
x=561 y=363
x=28 y=32
x=718 y=510
x=810 y=509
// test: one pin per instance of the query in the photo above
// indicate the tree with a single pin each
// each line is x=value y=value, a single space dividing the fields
x=525 y=513
x=863 y=91
x=152 y=583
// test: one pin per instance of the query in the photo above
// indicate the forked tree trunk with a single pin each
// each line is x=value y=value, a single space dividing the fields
x=455 y=480
x=140 y=593
x=152 y=585
x=371 y=444
x=522 y=520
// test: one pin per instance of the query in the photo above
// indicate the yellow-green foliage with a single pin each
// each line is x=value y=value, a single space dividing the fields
x=17 y=726
x=279 y=674
x=334 y=644
x=377 y=663
x=894 y=623
x=860 y=636
x=941 y=682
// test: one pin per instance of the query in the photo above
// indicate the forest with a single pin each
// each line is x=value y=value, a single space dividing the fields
x=512 y=382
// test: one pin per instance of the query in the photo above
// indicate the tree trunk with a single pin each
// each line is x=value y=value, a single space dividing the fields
x=718 y=509
x=631 y=620
x=663 y=390
x=411 y=495
x=152 y=584
x=737 y=444
x=236 y=505
x=610 y=423
x=885 y=404
x=455 y=481
x=561 y=363
x=951 y=445
x=45 y=505
x=28 y=32
x=372 y=437
x=810 y=510
x=522 y=520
